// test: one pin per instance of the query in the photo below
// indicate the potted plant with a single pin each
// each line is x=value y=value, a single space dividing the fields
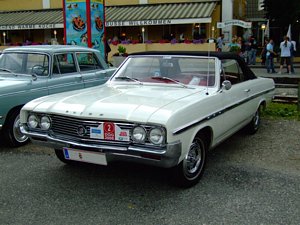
x=119 y=56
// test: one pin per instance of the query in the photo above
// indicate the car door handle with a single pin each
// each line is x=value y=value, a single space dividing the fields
x=247 y=90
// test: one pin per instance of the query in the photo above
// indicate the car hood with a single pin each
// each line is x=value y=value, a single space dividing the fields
x=119 y=103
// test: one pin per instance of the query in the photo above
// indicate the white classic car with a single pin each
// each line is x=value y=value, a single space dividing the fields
x=165 y=109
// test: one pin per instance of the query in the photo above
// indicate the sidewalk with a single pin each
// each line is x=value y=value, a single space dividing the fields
x=286 y=84
x=261 y=70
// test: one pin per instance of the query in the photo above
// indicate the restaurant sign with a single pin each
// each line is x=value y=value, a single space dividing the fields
x=31 y=26
x=240 y=23
x=156 y=22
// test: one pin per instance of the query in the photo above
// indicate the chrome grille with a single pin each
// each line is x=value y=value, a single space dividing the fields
x=66 y=127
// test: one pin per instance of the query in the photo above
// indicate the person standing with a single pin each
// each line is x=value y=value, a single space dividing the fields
x=263 y=53
x=270 y=54
x=285 y=55
x=253 y=51
x=293 y=51
x=220 y=42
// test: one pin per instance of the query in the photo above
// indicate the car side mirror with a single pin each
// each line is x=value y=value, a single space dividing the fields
x=226 y=85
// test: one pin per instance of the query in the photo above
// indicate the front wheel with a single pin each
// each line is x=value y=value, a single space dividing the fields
x=189 y=171
x=12 y=133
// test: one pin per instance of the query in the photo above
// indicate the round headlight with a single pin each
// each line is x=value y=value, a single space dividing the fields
x=32 y=121
x=138 y=134
x=45 y=123
x=156 y=136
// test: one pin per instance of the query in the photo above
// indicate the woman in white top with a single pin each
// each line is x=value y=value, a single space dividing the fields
x=285 y=55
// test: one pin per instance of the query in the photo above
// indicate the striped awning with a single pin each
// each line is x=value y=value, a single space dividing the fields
x=158 y=14
x=129 y=15
x=31 y=19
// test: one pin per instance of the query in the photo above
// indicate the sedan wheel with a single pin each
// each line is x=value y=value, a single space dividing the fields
x=13 y=134
x=190 y=170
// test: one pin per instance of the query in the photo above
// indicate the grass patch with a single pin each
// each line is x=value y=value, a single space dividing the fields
x=281 y=110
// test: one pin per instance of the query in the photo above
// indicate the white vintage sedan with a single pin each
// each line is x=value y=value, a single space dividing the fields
x=165 y=109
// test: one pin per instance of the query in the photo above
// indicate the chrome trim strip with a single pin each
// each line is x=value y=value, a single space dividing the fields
x=215 y=114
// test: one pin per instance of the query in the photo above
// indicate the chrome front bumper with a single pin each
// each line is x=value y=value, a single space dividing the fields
x=163 y=157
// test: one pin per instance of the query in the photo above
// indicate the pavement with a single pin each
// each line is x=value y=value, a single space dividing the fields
x=287 y=85
x=261 y=70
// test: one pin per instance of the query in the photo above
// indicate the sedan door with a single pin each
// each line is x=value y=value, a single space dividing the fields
x=65 y=75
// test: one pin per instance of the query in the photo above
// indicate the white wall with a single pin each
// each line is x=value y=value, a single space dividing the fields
x=227 y=14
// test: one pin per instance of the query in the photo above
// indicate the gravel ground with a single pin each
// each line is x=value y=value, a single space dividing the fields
x=249 y=179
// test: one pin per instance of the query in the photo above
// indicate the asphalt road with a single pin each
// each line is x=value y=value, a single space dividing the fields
x=248 y=180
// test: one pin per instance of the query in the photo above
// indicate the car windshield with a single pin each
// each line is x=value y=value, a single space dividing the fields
x=180 y=70
x=24 y=63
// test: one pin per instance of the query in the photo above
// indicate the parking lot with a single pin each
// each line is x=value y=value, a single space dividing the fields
x=248 y=180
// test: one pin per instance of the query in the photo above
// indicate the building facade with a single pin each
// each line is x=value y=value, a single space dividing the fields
x=41 y=21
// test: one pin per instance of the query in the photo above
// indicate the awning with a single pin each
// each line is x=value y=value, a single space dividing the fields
x=116 y=16
x=160 y=14
x=31 y=19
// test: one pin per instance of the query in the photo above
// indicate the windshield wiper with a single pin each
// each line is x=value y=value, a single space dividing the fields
x=128 y=79
x=170 y=79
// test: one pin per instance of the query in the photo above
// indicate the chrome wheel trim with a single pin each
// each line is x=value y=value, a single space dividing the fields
x=193 y=161
x=256 y=120
x=18 y=136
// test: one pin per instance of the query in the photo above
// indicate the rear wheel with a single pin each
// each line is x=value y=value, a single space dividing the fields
x=12 y=133
x=189 y=171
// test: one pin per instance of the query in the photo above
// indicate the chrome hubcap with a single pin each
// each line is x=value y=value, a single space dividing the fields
x=256 y=119
x=193 y=159
x=17 y=132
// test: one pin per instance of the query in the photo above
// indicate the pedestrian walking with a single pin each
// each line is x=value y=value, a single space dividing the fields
x=285 y=54
x=270 y=54
x=293 y=52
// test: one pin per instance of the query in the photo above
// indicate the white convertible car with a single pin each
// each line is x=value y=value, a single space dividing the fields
x=165 y=109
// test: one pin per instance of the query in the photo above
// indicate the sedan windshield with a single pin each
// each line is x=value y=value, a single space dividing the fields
x=24 y=63
x=179 y=70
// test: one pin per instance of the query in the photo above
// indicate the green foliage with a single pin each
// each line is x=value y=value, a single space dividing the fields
x=121 y=49
x=281 y=110
x=235 y=48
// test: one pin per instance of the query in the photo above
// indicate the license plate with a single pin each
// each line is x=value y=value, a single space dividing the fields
x=85 y=156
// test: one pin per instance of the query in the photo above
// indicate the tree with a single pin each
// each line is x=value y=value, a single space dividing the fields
x=282 y=12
